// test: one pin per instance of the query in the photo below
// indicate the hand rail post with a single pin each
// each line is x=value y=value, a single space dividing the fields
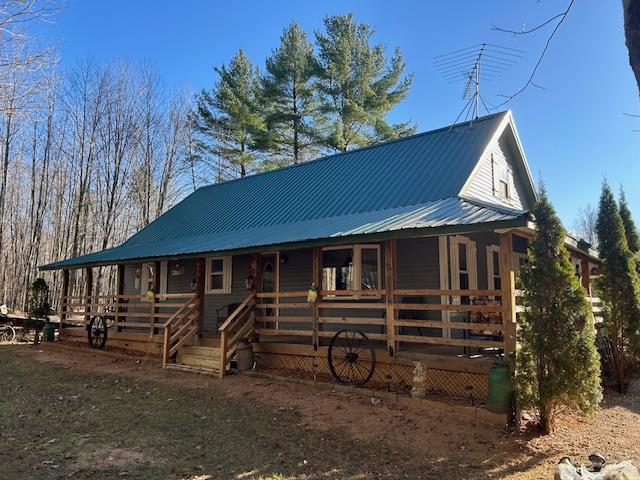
x=88 y=285
x=165 y=345
x=223 y=353
x=390 y=285
x=152 y=316
x=63 y=300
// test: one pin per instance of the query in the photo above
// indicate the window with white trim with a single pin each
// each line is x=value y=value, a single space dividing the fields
x=493 y=267
x=218 y=275
x=504 y=182
x=351 y=267
x=464 y=267
x=148 y=276
x=164 y=274
x=148 y=273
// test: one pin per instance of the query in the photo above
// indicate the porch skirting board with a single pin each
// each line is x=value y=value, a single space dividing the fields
x=455 y=384
x=138 y=346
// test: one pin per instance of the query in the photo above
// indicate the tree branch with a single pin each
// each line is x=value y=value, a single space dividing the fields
x=561 y=18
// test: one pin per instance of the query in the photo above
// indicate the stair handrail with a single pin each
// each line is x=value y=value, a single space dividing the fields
x=186 y=309
x=178 y=312
x=232 y=321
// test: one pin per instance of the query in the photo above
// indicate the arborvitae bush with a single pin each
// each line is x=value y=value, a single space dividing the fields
x=557 y=364
x=618 y=287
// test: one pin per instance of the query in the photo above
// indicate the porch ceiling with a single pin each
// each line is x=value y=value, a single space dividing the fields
x=428 y=218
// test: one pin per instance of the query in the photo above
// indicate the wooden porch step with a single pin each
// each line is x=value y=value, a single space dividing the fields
x=200 y=351
x=196 y=356
x=192 y=369
x=197 y=361
x=212 y=342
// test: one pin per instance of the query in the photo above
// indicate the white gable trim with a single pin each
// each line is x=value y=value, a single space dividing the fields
x=527 y=181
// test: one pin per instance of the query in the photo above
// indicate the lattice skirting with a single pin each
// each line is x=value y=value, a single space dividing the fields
x=438 y=381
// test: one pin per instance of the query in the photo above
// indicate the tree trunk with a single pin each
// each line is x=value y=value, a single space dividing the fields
x=631 y=9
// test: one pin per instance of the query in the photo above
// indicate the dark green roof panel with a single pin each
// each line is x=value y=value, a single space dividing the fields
x=410 y=171
x=349 y=191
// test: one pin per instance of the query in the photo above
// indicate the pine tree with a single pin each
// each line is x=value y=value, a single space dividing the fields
x=618 y=285
x=288 y=95
x=557 y=364
x=229 y=116
x=357 y=86
x=630 y=230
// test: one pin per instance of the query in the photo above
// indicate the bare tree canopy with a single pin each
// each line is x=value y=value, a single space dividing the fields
x=584 y=225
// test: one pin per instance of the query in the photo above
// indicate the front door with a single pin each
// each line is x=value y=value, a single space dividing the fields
x=269 y=278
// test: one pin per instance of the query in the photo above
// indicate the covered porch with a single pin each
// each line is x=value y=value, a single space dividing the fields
x=448 y=301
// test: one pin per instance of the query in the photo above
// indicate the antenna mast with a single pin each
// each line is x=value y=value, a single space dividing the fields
x=472 y=65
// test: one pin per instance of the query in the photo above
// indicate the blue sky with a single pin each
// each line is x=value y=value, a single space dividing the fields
x=574 y=132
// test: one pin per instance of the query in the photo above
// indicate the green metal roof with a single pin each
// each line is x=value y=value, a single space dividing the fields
x=409 y=183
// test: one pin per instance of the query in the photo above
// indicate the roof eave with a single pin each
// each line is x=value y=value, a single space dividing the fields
x=519 y=221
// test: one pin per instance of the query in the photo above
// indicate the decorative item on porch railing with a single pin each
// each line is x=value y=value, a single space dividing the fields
x=312 y=294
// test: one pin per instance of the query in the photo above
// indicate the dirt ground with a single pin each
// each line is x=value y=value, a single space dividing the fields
x=72 y=413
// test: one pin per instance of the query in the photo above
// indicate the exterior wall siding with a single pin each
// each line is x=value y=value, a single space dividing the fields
x=483 y=185
x=213 y=302
x=418 y=266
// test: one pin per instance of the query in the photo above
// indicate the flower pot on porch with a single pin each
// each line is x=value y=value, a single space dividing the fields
x=244 y=355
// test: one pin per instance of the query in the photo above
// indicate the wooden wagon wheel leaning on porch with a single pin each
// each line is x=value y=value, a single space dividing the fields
x=352 y=359
x=97 y=332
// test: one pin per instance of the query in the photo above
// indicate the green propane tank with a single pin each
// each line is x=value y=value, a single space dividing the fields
x=47 y=332
x=500 y=389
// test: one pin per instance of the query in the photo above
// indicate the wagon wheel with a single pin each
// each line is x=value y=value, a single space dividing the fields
x=352 y=360
x=97 y=331
x=7 y=333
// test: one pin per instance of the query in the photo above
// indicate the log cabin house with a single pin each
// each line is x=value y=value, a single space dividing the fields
x=416 y=242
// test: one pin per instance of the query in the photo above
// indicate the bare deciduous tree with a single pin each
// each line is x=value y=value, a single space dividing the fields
x=584 y=225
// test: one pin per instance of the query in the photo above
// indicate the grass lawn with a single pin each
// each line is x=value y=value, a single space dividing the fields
x=72 y=413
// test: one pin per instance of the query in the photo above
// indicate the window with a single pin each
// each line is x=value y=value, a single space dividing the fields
x=353 y=267
x=148 y=274
x=504 y=185
x=164 y=274
x=463 y=266
x=493 y=267
x=218 y=275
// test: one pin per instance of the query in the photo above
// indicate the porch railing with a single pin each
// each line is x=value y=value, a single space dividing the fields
x=181 y=327
x=135 y=312
x=238 y=325
x=390 y=316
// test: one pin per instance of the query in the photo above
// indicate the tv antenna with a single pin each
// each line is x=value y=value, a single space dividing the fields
x=473 y=65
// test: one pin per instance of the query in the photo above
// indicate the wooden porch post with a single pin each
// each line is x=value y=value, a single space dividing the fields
x=200 y=282
x=88 y=286
x=585 y=274
x=317 y=279
x=64 y=292
x=119 y=290
x=507 y=280
x=390 y=278
x=153 y=305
